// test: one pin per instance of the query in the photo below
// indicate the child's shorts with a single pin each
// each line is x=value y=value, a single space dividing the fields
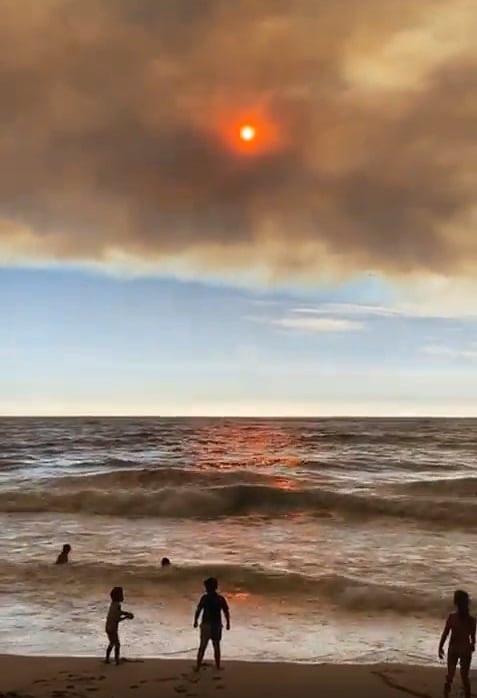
x=457 y=656
x=210 y=632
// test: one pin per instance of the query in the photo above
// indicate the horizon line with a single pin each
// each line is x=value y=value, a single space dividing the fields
x=232 y=416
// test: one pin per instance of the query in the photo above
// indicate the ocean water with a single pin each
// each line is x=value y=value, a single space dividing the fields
x=334 y=540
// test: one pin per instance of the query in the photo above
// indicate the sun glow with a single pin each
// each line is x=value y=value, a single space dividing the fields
x=248 y=133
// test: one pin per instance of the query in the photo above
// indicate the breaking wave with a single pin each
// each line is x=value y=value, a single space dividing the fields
x=154 y=478
x=465 y=486
x=148 y=581
x=144 y=497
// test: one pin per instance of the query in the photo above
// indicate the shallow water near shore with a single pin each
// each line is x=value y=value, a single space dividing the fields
x=334 y=540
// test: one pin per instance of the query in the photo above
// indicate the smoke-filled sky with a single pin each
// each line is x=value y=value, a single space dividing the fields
x=342 y=239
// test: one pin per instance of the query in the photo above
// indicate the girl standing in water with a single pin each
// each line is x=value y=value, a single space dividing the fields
x=461 y=626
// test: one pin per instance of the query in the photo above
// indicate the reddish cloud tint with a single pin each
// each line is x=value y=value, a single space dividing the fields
x=115 y=142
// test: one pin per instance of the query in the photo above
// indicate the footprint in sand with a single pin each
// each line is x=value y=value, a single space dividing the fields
x=192 y=682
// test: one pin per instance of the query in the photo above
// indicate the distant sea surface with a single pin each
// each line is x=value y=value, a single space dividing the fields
x=334 y=540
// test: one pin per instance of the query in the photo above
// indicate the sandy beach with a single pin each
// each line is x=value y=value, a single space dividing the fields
x=82 y=677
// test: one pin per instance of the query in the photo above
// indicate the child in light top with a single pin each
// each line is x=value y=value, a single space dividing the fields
x=115 y=616
x=461 y=627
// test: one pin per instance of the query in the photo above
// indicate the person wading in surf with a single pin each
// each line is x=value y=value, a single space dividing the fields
x=62 y=558
x=461 y=626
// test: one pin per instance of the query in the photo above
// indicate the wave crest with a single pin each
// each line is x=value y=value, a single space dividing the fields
x=450 y=487
x=217 y=501
x=160 y=477
x=147 y=581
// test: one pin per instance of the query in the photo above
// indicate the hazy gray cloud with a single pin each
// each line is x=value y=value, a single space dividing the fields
x=117 y=119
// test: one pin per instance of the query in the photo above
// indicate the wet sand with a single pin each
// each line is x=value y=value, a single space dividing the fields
x=60 y=677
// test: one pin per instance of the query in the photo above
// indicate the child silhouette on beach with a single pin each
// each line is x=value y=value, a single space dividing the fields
x=115 y=616
x=461 y=626
x=211 y=606
x=62 y=558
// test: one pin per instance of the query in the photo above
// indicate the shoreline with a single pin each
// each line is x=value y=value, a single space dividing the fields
x=188 y=657
x=79 y=677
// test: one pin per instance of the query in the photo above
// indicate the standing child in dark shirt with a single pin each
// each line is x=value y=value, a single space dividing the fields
x=211 y=606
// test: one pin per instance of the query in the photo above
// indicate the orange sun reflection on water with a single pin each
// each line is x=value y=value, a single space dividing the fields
x=230 y=446
x=239 y=595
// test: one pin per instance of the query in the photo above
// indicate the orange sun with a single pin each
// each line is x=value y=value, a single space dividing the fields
x=247 y=133
x=251 y=133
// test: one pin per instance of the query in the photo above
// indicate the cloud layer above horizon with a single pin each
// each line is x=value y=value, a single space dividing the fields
x=114 y=112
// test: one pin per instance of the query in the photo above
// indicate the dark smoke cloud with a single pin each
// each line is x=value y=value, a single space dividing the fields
x=111 y=145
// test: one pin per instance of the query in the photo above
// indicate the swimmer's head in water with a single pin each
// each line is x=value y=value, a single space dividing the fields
x=165 y=562
x=211 y=584
x=117 y=594
x=67 y=548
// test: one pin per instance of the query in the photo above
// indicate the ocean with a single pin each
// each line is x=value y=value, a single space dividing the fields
x=333 y=539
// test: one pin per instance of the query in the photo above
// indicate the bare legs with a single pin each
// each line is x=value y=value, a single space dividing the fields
x=201 y=653
x=216 y=644
x=464 y=673
x=452 y=660
x=113 y=644
x=451 y=666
